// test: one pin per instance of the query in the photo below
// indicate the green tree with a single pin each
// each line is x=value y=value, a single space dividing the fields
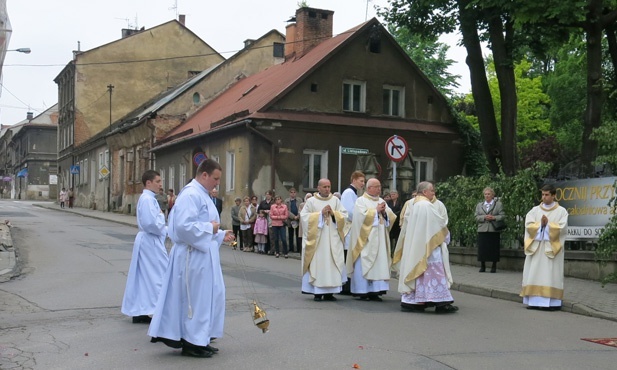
x=431 y=57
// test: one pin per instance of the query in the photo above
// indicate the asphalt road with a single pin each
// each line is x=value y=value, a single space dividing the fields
x=63 y=312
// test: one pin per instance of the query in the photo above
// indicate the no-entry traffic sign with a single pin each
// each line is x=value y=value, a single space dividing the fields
x=396 y=148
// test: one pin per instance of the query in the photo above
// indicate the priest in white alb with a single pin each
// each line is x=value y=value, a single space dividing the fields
x=323 y=262
x=369 y=255
x=421 y=258
x=546 y=227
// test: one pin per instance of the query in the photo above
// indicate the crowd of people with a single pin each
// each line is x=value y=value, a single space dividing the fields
x=350 y=244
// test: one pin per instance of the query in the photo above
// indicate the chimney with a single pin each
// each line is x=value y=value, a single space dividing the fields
x=182 y=19
x=248 y=42
x=290 y=38
x=311 y=28
x=29 y=116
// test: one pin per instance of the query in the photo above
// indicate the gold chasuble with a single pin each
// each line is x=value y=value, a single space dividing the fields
x=543 y=271
x=323 y=241
x=425 y=230
x=368 y=241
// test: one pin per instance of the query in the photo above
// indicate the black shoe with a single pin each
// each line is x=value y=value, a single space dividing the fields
x=168 y=342
x=329 y=297
x=493 y=270
x=374 y=297
x=482 y=269
x=209 y=348
x=446 y=309
x=142 y=319
x=317 y=297
x=405 y=307
x=196 y=352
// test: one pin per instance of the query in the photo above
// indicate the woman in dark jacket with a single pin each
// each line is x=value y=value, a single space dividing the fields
x=489 y=243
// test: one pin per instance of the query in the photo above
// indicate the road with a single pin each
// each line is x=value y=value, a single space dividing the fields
x=63 y=312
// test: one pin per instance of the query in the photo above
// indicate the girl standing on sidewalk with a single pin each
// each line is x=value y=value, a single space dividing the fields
x=261 y=232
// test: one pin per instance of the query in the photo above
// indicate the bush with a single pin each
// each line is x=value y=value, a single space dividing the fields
x=518 y=195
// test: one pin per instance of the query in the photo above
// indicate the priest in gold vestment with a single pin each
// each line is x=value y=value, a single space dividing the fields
x=546 y=227
x=323 y=262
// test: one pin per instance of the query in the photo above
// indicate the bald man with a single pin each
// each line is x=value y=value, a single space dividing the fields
x=369 y=257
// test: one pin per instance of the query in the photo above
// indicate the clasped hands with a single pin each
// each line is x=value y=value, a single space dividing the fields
x=381 y=208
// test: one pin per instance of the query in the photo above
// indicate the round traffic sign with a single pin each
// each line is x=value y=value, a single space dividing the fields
x=199 y=157
x=396 y=148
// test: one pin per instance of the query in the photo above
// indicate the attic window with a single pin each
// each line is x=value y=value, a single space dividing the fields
x=313 y=87
x=374 y=40
x=278 y=50
x=430 y=99
x=196 y=98
x=312 y=14
x=324 y=15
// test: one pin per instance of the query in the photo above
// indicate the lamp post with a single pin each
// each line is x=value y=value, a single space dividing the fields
x=22 y=50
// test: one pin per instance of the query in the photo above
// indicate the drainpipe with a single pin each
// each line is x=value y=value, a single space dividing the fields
x=272 y=152
x=152 y=127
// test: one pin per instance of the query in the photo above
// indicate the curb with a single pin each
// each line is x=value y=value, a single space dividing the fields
x=83 y=215
x=8 y=264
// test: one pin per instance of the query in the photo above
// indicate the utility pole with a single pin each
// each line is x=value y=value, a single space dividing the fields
x=110 y=87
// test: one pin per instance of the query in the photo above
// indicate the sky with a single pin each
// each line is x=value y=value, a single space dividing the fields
x=53 y=29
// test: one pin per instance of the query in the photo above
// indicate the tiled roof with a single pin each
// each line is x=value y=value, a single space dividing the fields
x=251 y=97
x=255 y=93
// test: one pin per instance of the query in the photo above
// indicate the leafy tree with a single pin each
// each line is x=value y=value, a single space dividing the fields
x=430 y=56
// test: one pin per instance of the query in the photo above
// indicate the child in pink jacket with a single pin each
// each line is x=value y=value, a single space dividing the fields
x=261 y=232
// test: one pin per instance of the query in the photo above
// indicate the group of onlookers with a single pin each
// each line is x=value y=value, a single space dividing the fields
x=270 y=227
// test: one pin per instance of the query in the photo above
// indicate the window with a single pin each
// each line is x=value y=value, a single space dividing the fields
x=182 y=177
x=423 y=169
x=80 y=177
x=230 y=171
x=354 y=95
x=196 y=98
x=315 y=167
x=101 y=164
x=84 y=169
x=172 y=177
x=107 y=158
x=162 y=172
x=393 y=101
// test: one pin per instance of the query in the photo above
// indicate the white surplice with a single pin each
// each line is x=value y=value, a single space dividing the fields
x=323 y=263
x=191 y=305
x=369 y=257
x=543 y=274
x=149 y=259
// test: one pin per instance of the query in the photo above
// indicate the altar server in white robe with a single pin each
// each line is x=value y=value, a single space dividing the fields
x=369 y=256
x=546 y=227
x=421 y=258
x=323 y=263
x=191 y=307
x=150 y=258
x=348 y=199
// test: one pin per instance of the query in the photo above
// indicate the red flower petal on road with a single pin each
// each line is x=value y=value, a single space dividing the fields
x=356 y=366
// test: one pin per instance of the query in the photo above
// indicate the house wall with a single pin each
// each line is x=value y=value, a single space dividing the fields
x=384 y=68
x=134 y=83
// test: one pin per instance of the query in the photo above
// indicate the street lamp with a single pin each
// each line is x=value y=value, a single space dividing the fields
x=22 y=50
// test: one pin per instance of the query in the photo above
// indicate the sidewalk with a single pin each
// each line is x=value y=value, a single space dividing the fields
x=584 y=297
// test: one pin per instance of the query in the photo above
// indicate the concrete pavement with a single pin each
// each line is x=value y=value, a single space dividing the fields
x=583 y=297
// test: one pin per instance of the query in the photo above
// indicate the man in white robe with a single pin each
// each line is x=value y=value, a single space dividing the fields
x=546 y=227
x=323 y=263
x=150 y=258
x=191 y=307
x=369 y=259
x=421 y=257
x=348 y=199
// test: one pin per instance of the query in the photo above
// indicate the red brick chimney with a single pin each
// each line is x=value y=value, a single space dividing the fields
x=311 y=28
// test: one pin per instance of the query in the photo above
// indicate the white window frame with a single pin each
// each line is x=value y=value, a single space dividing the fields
x=101 y=163
x=387 y=110
x=80 y=176
x=172 y=178
x=182 y=177
x=162 y=172
x=85 y=171
x=230 y=171
x=418 y=162
x=312 y=177
x=349 y=84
